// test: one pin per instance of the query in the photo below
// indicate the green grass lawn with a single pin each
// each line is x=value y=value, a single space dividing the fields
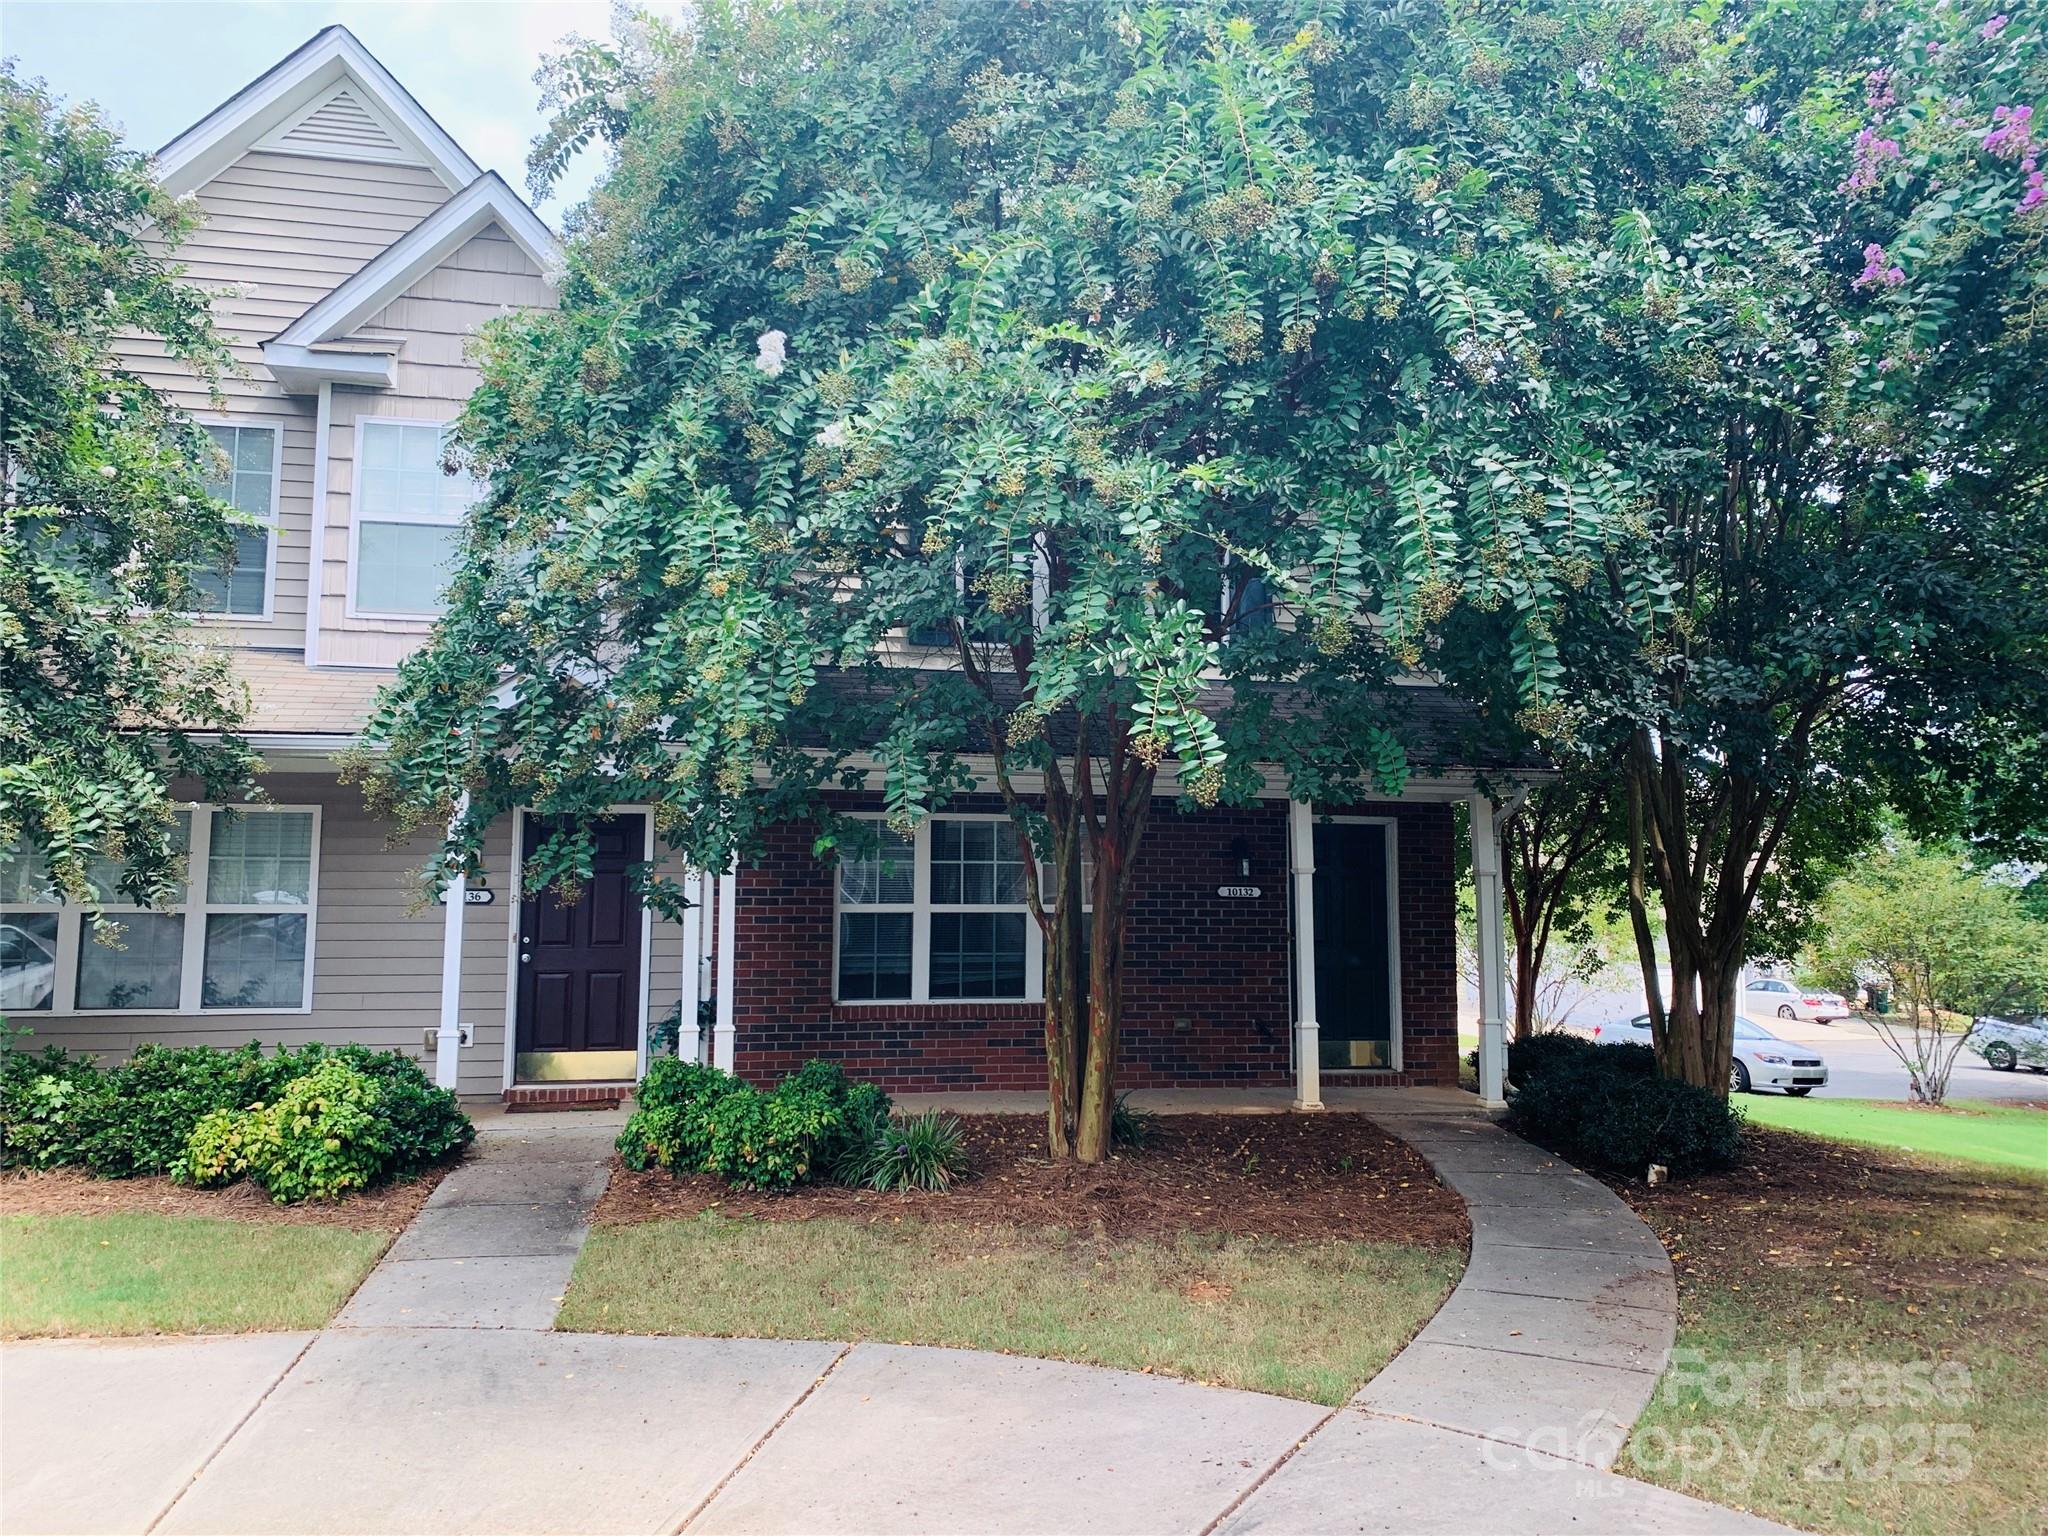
x=1997 y=1135
x=1942 y=1271
x=131 y=1272
x=1305 y=1320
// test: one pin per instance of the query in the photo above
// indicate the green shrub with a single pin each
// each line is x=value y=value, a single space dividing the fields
x=323 y=1137
x=696 y=1119
x=426 y=1123
x=1542 y=1050
x=1605 y=1109
x=1130 y=1128
x=670 y=1126
x=49 y=1106
x=217 y=1152
x=919 y=1152
x=154 y=1099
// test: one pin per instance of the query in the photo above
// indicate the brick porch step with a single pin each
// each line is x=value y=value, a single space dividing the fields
x=566 y=1096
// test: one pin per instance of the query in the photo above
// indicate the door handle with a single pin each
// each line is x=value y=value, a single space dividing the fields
x=524 y=956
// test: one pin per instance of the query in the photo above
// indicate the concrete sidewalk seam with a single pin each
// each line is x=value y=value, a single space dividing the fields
x=1473 y=1434
x=1537 y=1354
x=754 y=1450
x=228 y=1439
x=1264 y=1477
x=1501 y=1290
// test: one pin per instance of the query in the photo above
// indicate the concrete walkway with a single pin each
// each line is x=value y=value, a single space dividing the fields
x=441 y=1401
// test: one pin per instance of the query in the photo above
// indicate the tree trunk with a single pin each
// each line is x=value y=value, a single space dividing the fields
x=1064 y=989
x=1105 y=1021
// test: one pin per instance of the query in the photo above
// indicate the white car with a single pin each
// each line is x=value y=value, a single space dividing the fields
x=2009 y=1043
x=1762 y=1060
x=28 y=970
x=1767 y=995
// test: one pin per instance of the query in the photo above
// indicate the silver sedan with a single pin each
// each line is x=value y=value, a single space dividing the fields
x=1762 y=1060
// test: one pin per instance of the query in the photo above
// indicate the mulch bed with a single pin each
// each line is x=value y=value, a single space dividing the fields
x=1294 y=1177
x=1799 y=1202
x=71 y=1192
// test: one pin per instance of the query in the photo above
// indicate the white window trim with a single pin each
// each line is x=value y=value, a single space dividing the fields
x=921 y=909
x=191 y=976
x=357 y=516
x=275 y=521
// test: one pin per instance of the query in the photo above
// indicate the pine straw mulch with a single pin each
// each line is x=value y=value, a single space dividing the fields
x=73 y=1192
x=1298 y=1178
x=1848 y=1213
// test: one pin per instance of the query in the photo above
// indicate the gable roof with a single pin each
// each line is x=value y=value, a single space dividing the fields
x=286 y=97
x=304 y=352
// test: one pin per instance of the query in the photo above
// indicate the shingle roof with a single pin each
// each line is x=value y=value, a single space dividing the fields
x=289 y=698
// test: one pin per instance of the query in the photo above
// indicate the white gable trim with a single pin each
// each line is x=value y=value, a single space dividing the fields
x=484 y=202
x=396 y=151
x=294 y=86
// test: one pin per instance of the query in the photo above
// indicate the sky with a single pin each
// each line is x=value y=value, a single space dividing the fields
x=157 y=66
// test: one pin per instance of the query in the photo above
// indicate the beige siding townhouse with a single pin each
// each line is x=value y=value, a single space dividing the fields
x=354 y=248
x=1277 y=943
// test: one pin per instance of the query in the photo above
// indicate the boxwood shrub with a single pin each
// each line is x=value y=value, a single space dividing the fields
x=1605 y=1107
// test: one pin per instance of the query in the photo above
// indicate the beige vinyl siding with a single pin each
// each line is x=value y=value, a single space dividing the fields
x=437 y=316
x=376 y=954
x=280 y=232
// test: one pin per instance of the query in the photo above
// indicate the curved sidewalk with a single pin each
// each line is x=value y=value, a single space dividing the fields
x=441 y=1401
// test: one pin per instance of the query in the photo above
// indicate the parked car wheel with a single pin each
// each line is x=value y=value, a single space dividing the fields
x=2000 y=1056
x=1738 y=1079
x=1787 y=1011
x=1799 y=1093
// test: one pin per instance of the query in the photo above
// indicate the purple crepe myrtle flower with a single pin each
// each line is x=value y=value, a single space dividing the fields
x=1878 y=94
x=2011 y=134
x=1872 y=154
x=2035 y=195
x=1990 y=30
x=1877 y=272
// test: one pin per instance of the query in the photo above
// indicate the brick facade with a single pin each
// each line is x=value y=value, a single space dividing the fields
x=1207 y=998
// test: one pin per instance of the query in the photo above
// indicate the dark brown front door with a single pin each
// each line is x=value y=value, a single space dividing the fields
x=579 y=965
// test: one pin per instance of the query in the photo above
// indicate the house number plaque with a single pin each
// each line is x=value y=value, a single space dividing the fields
x=1240 y=892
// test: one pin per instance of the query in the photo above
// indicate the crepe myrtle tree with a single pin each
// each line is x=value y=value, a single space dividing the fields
x=1817 y=304
x=104 y=514
x=1106 y=404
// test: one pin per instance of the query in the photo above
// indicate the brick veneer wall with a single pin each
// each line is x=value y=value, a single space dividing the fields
x=1206 y=998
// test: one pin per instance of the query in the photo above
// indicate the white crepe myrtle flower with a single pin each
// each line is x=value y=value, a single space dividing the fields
x=107 y=471
x=1589 y=73
x=181 y=501
x=833 y=435
x=774 y=350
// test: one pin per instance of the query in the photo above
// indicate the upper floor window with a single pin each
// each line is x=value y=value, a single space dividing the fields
x=238 y=936
x=408 y=517
x=247 y=482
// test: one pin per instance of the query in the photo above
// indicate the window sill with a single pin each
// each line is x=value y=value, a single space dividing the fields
x=1011 y=1010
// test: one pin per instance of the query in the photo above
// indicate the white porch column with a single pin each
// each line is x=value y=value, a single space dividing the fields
x=1308 y=1035
x=689 y=1037
x=1493 y=958
x=448 y=1037
x=722 y=1029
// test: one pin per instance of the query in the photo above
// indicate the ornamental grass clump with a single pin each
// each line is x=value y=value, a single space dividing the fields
x=919 y=1152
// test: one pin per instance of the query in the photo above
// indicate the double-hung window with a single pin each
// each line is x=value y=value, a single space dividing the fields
x=246 y=479
x=238 y=936
x=938 y=917
x=408 y=519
